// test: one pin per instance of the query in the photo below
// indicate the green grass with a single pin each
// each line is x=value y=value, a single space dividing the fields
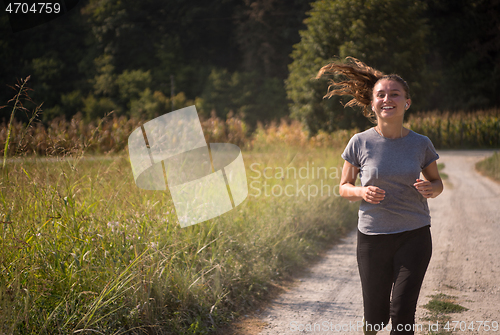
x=439 y=306
x=490 y=166
x=442 y=303
x=83 y=250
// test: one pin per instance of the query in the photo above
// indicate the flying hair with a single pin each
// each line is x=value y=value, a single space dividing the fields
x=356 y=79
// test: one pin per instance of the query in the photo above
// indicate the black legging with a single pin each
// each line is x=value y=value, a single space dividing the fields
x=393 y=263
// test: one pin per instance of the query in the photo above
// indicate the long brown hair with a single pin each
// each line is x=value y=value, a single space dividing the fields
x=357 y=80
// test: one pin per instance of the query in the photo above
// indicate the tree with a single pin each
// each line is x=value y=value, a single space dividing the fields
x=249 y=95
x=465 y=57
x=389 y=35
x=180 y=38
x=265 y=31
x=118 y=53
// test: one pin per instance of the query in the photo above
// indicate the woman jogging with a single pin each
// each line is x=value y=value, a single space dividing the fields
x=394 y=242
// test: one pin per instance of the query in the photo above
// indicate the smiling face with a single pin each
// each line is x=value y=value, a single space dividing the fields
x=389 y=100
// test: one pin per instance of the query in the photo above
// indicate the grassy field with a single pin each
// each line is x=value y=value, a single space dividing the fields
x=85 y=251
x=490 y=167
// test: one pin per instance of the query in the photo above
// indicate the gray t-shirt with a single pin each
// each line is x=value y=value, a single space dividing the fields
x=392 y=165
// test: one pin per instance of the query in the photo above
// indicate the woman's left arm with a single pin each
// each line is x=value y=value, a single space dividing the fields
x=432 y=186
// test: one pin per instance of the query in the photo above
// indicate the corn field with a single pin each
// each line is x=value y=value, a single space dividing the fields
x=459 y=130
x=110 y=135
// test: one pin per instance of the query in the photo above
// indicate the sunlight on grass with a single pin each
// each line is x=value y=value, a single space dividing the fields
x=84 y=249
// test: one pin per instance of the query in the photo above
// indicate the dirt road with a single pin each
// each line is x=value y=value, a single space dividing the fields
x=465 y=263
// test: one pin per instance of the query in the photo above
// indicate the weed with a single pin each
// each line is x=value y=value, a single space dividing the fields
x=440 y=305
x=21 y=96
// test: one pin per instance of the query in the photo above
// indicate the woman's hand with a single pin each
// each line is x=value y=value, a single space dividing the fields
x=373 y=194
x=432 y=186
x=350 y=191
x=424 y=187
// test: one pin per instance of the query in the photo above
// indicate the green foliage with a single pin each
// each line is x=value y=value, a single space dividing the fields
x=104 y=83
x=54 y=54
x=440 y=306
x=153 y=104
x=149 y=105
x=387 y=35
x=464 y=60
x=447 y=50
x=247 y=94
x=46 y=69
x=131 y=84
x=181 y=39
x=104 y=49
x=265 y=32
x=72 y=101
x=443 y=175
x=98 y=107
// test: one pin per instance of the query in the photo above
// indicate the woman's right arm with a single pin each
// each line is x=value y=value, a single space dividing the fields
x=350 y=191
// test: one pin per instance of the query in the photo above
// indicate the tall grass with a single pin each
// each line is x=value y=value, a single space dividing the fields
x=61 y=137
x=85 y=251
x=21 y=96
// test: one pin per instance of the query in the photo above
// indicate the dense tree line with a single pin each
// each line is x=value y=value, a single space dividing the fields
x=236 y=55
x=129 y=56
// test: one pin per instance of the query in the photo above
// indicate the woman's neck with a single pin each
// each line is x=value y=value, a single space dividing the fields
x=391 y=130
